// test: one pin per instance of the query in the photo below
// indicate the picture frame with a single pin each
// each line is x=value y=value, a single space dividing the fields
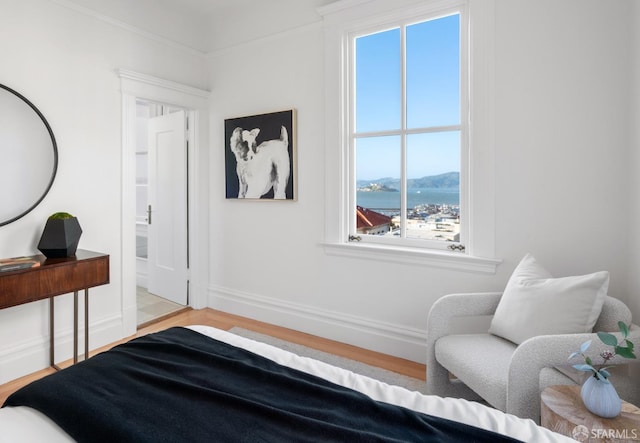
x=260 y=156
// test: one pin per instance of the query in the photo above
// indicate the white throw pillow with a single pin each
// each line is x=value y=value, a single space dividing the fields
x=534 y=303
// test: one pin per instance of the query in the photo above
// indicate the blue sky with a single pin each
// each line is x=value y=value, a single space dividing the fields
x=432 y=79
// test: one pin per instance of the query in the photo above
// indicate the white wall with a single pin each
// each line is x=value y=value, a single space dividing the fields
x=65 y=62
x=563 y=143
x=563 y=74
x=634 y=165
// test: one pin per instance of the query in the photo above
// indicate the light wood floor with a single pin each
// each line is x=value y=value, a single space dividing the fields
x=222 y=320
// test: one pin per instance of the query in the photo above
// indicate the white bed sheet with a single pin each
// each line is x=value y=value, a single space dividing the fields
x=23 y=424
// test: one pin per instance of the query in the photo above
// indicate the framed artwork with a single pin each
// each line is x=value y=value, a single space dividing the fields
x=260 y=156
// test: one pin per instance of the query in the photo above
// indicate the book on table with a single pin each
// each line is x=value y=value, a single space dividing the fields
x=17 y=263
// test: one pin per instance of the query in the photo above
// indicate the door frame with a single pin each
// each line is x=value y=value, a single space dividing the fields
x=136 y=86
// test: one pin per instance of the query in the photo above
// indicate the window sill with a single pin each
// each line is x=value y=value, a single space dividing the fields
x=441 y=259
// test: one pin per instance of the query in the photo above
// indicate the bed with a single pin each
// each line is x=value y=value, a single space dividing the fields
x=200 y=383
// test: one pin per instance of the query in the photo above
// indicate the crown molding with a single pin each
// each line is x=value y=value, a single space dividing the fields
x=266 y=38
x=127 y=27
x=334 y=7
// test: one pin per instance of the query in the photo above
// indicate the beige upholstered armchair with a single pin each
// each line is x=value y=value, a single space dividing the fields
x=507 y=376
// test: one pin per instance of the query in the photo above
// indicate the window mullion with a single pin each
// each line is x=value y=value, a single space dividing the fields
x=352 y=140
x=423 y=130
x=403 y=137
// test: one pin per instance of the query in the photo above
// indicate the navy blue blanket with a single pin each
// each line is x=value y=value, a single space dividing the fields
x=180 y=386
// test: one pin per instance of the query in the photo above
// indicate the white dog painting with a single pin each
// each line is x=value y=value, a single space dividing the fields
x=260 y=167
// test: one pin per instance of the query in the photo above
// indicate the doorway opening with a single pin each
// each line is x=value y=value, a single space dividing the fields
x=161 y=211
x=136 y=87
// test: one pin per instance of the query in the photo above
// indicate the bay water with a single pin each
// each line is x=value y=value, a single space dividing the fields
x=415 y=197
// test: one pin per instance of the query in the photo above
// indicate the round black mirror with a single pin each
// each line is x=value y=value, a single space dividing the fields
x=28 y=156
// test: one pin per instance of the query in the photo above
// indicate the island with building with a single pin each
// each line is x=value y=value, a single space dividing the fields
x=376 y=187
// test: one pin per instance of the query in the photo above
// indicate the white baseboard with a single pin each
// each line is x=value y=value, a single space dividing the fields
x=32 y=355
x=387 y=338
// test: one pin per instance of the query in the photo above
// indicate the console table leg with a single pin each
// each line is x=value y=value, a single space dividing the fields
x=51 y=336
x=86 y=323
x=75 y=327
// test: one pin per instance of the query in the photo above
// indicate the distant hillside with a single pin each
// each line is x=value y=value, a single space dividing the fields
x=448 y=180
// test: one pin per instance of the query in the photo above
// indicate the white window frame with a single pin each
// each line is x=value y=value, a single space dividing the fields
x=343 y=20
x=404 y=132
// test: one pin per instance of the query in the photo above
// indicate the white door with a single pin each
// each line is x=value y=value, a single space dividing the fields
x=167 y=247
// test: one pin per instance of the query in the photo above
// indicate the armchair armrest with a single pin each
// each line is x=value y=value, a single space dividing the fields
x=458 y=305
x=536 y=353
x=438 y=325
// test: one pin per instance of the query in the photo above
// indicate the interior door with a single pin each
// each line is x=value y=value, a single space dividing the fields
x=167 y=197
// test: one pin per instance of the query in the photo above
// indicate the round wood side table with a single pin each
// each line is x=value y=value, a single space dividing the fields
x=563 y=412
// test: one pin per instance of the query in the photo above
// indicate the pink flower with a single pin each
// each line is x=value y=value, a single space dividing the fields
x=607 y=355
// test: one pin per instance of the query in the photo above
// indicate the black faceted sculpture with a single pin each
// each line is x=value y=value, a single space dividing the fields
x=60 y=237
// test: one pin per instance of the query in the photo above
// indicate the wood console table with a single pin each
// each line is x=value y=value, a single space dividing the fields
x=56 y=276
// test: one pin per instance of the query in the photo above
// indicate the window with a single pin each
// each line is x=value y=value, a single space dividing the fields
x=410 y=119
x=407 y=134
